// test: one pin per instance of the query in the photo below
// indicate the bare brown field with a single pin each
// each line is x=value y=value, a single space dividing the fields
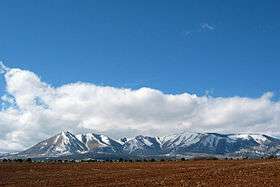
x=172 y=173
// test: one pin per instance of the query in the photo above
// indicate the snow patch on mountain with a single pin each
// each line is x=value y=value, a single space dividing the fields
x=259 y=138
x=182 y=139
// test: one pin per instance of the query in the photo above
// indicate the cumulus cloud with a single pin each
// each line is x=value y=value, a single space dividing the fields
x=34 y=110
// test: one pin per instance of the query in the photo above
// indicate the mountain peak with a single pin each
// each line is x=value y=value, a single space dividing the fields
x=98 y=141
x=62 y=143
x=65 y=133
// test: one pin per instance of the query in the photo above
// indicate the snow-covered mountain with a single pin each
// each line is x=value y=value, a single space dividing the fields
x=142 y=145
x=222 y=144
x=210 y=143
x=175 y=141
x=65 y=143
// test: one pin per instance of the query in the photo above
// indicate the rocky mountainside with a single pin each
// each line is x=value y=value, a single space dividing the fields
x=184 y=144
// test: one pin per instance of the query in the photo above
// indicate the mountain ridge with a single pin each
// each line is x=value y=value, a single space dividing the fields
x=185 y=144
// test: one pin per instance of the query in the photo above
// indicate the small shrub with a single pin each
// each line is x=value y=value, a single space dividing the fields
x=205 y=158
x=18 y=160
x=271 y=157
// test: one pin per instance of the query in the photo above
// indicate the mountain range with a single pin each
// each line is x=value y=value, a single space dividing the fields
x=66 y=145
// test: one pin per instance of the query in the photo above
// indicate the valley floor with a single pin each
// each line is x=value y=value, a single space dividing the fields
x=168 y=173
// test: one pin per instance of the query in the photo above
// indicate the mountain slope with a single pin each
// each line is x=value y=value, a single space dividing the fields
x=143 y=145
x=99 y=142
x=175 y=141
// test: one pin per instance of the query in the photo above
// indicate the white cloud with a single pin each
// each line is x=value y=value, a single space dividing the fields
x=203 y=27
x=207 y=26
x=36 y=111
x=3 y=68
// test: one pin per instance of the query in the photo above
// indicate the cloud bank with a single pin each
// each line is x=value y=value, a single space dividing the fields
x=33 y=110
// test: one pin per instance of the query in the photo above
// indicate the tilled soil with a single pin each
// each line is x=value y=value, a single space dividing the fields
x=172 y=173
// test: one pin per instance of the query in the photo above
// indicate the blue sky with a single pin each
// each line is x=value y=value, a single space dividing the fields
x=160 y=44
x=175 y=48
